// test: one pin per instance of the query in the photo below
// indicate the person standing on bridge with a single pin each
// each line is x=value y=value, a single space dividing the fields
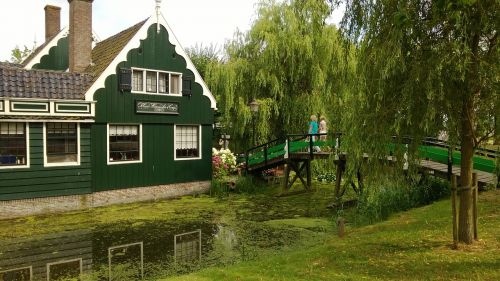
x=322 y=128
x=313 y=129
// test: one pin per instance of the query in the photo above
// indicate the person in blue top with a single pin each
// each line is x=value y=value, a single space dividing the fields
x=313 y=129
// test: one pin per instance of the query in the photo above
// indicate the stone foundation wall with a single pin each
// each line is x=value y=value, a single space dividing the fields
x=26 y=207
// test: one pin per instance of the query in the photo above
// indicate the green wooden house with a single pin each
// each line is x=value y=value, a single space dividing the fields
x=81 y=116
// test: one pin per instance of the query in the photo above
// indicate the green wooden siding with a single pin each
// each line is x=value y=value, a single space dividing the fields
x=114 y=107
x=57 y=58
x=40 y=181
x=158 y=165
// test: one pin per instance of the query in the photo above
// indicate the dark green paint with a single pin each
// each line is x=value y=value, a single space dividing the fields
x=115 y=107
x=57 y=58
x=40 y=181
x=29 y=107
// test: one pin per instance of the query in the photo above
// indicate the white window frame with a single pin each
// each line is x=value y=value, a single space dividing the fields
x=144 y=70
x=110 y=256
x=80 y=260
x=27 y=128
x=20 y=268
x=185 y=234
x=107 y=144
x=61 y=164
x=199 y=143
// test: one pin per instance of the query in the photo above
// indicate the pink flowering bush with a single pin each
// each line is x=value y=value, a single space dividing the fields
x=223 y=163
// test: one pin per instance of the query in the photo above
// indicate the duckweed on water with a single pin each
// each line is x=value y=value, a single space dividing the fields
x=172 y=236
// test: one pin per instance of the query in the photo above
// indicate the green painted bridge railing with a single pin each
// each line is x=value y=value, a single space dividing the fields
x=431 y=149
x=279 y=148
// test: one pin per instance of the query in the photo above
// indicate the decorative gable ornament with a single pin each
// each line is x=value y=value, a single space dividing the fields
x=158 y=14
x=134 y=43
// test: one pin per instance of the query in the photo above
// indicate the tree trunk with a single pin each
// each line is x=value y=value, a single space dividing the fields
x=465 y=233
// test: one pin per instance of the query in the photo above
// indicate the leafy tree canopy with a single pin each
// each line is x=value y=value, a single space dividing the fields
x=425 y=66
x=18 y=55
x=289 y=61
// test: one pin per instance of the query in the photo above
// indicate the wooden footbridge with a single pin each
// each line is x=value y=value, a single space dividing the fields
x=297 y=151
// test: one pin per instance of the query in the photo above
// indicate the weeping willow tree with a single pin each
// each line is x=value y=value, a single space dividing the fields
x=289 y=62
x=425 y=66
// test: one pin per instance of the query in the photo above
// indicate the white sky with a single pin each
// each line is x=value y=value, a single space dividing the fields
x=193 y=21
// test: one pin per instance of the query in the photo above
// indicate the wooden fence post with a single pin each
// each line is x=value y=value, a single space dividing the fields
x=454 y=209
x=450 y=161
x=474 y=203
x=341 y=227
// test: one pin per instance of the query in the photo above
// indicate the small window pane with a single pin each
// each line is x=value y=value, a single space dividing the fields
x=62 y=142
x=175 y=82
x=151 y=82
x=187 y=142
x=124 y=143
x=163 y=83
x=137 y=83
x=12 y=144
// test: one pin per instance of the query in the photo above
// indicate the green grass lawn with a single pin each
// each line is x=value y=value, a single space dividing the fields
x=414 y=245
x=294 y=238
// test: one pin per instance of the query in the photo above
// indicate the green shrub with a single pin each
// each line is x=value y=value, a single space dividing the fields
x=248 y=185
x=378 y=202
x=219 y=188
x=327 y=177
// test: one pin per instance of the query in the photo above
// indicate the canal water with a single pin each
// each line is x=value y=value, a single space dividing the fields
x=144 y=249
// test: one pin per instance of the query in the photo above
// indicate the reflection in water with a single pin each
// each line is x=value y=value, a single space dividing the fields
x=126 y=262
x=34 y=257
x=64 y=270
x=135 y=250
x=110 y=252
x=17 y=274
x=187 y=247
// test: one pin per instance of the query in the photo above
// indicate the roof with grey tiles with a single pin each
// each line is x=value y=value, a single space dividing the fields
x=105 y=51
x=21 y=83
x=17 y=82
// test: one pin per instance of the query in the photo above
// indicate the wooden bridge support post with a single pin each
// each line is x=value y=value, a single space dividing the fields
x=287 y=176
x=454 y=210
x=338 y=177
x=474 y=203
x=309 y=174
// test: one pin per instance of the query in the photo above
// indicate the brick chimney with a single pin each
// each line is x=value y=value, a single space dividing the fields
x=52 y=21
x=80 y=34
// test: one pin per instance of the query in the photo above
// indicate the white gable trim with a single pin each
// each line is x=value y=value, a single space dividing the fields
x=46 y=49
x=52 y=43
x=190 y=65
x=135 y=43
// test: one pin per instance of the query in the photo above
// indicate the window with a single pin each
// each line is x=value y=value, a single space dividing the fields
x=61 y=143
x=124 y=143
x=20 y=274
x=187 y=141
x=156 y=82
x=13 y=148
x=137 y=84
x=163 y=82
x=65 y=270
x=151 y=82
x=187 y=247
x=174 y=83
